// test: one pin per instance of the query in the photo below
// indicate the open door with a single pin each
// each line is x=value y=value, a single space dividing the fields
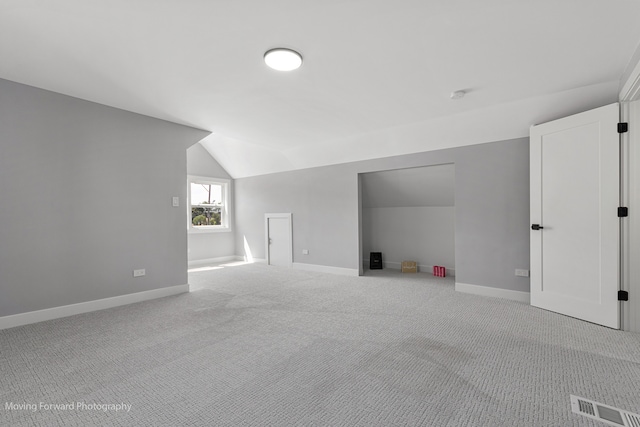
x=575 y=188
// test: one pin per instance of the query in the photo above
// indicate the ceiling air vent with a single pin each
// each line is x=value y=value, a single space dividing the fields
x=605 y=413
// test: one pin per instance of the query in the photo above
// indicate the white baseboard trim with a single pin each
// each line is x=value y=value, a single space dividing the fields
x=326 y=269
x=423 y=268
x=197 y=262
x=493 y=292
x=85 y=307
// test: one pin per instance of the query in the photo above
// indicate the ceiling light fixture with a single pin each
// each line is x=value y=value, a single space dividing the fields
x=458 y=94
x=283 y=59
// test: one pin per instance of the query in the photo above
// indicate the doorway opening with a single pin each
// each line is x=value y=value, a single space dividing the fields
x=278 y=239
x=408 y=215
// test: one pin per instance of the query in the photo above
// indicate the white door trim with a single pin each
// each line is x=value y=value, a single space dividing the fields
x=630 y=91
x=630 y=112
x=631 y=270
x=286 y=216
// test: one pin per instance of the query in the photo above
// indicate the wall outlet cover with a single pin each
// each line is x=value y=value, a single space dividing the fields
x=522 y=273
x=139 y=273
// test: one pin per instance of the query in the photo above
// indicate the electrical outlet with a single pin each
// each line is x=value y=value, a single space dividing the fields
x=305 y=252
x=139 y=273
x=175 y=202
x=522 y=273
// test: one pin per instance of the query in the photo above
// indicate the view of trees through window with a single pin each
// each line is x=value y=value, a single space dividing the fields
x=206 y=204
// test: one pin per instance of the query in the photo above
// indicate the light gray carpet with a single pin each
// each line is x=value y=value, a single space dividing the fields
x=262 y=346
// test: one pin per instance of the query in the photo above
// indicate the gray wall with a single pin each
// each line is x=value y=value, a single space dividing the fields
x=86 y=198
x=425 y=234
x=207 y=245
x=492 y=210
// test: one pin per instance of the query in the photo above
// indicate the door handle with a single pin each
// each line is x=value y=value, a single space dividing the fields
x=536 y=227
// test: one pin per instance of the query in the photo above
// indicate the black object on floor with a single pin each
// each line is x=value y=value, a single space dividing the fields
x=375 y=261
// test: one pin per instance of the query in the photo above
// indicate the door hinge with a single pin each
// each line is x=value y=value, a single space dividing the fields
x=623 y=296
x=623 y=212
x=623 y=127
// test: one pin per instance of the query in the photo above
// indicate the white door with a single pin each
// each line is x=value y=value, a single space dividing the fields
x=278 y=235
x=574 y=199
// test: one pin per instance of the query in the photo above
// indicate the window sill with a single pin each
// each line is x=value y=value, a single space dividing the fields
x=209 y=230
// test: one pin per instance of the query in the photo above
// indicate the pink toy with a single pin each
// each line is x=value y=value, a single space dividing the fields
x=439 y=271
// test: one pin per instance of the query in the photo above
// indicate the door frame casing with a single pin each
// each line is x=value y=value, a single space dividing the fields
x=630 y=197
x=629 y=98
x=288 y=217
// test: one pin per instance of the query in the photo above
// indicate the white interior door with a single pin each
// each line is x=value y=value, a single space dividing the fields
x=278 y=239
x=574 y=199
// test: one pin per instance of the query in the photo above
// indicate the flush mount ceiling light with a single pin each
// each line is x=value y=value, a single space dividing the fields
x=458 y=94
x=283 y=59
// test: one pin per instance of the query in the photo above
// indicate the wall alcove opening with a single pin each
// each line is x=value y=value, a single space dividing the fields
x=409 y=215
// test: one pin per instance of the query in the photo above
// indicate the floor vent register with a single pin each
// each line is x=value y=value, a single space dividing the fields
x=605 y=413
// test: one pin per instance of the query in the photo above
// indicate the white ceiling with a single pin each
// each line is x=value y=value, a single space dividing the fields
x=414 y=187
x=376 y=76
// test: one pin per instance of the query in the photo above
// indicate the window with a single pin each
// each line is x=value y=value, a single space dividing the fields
x=208 y=204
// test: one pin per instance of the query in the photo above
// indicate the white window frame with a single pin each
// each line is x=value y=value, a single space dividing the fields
x=225 y=210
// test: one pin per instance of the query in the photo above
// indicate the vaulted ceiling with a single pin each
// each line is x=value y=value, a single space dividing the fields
x=376 y=76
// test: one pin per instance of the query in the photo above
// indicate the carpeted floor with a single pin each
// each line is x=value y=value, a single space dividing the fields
x=254 y=345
